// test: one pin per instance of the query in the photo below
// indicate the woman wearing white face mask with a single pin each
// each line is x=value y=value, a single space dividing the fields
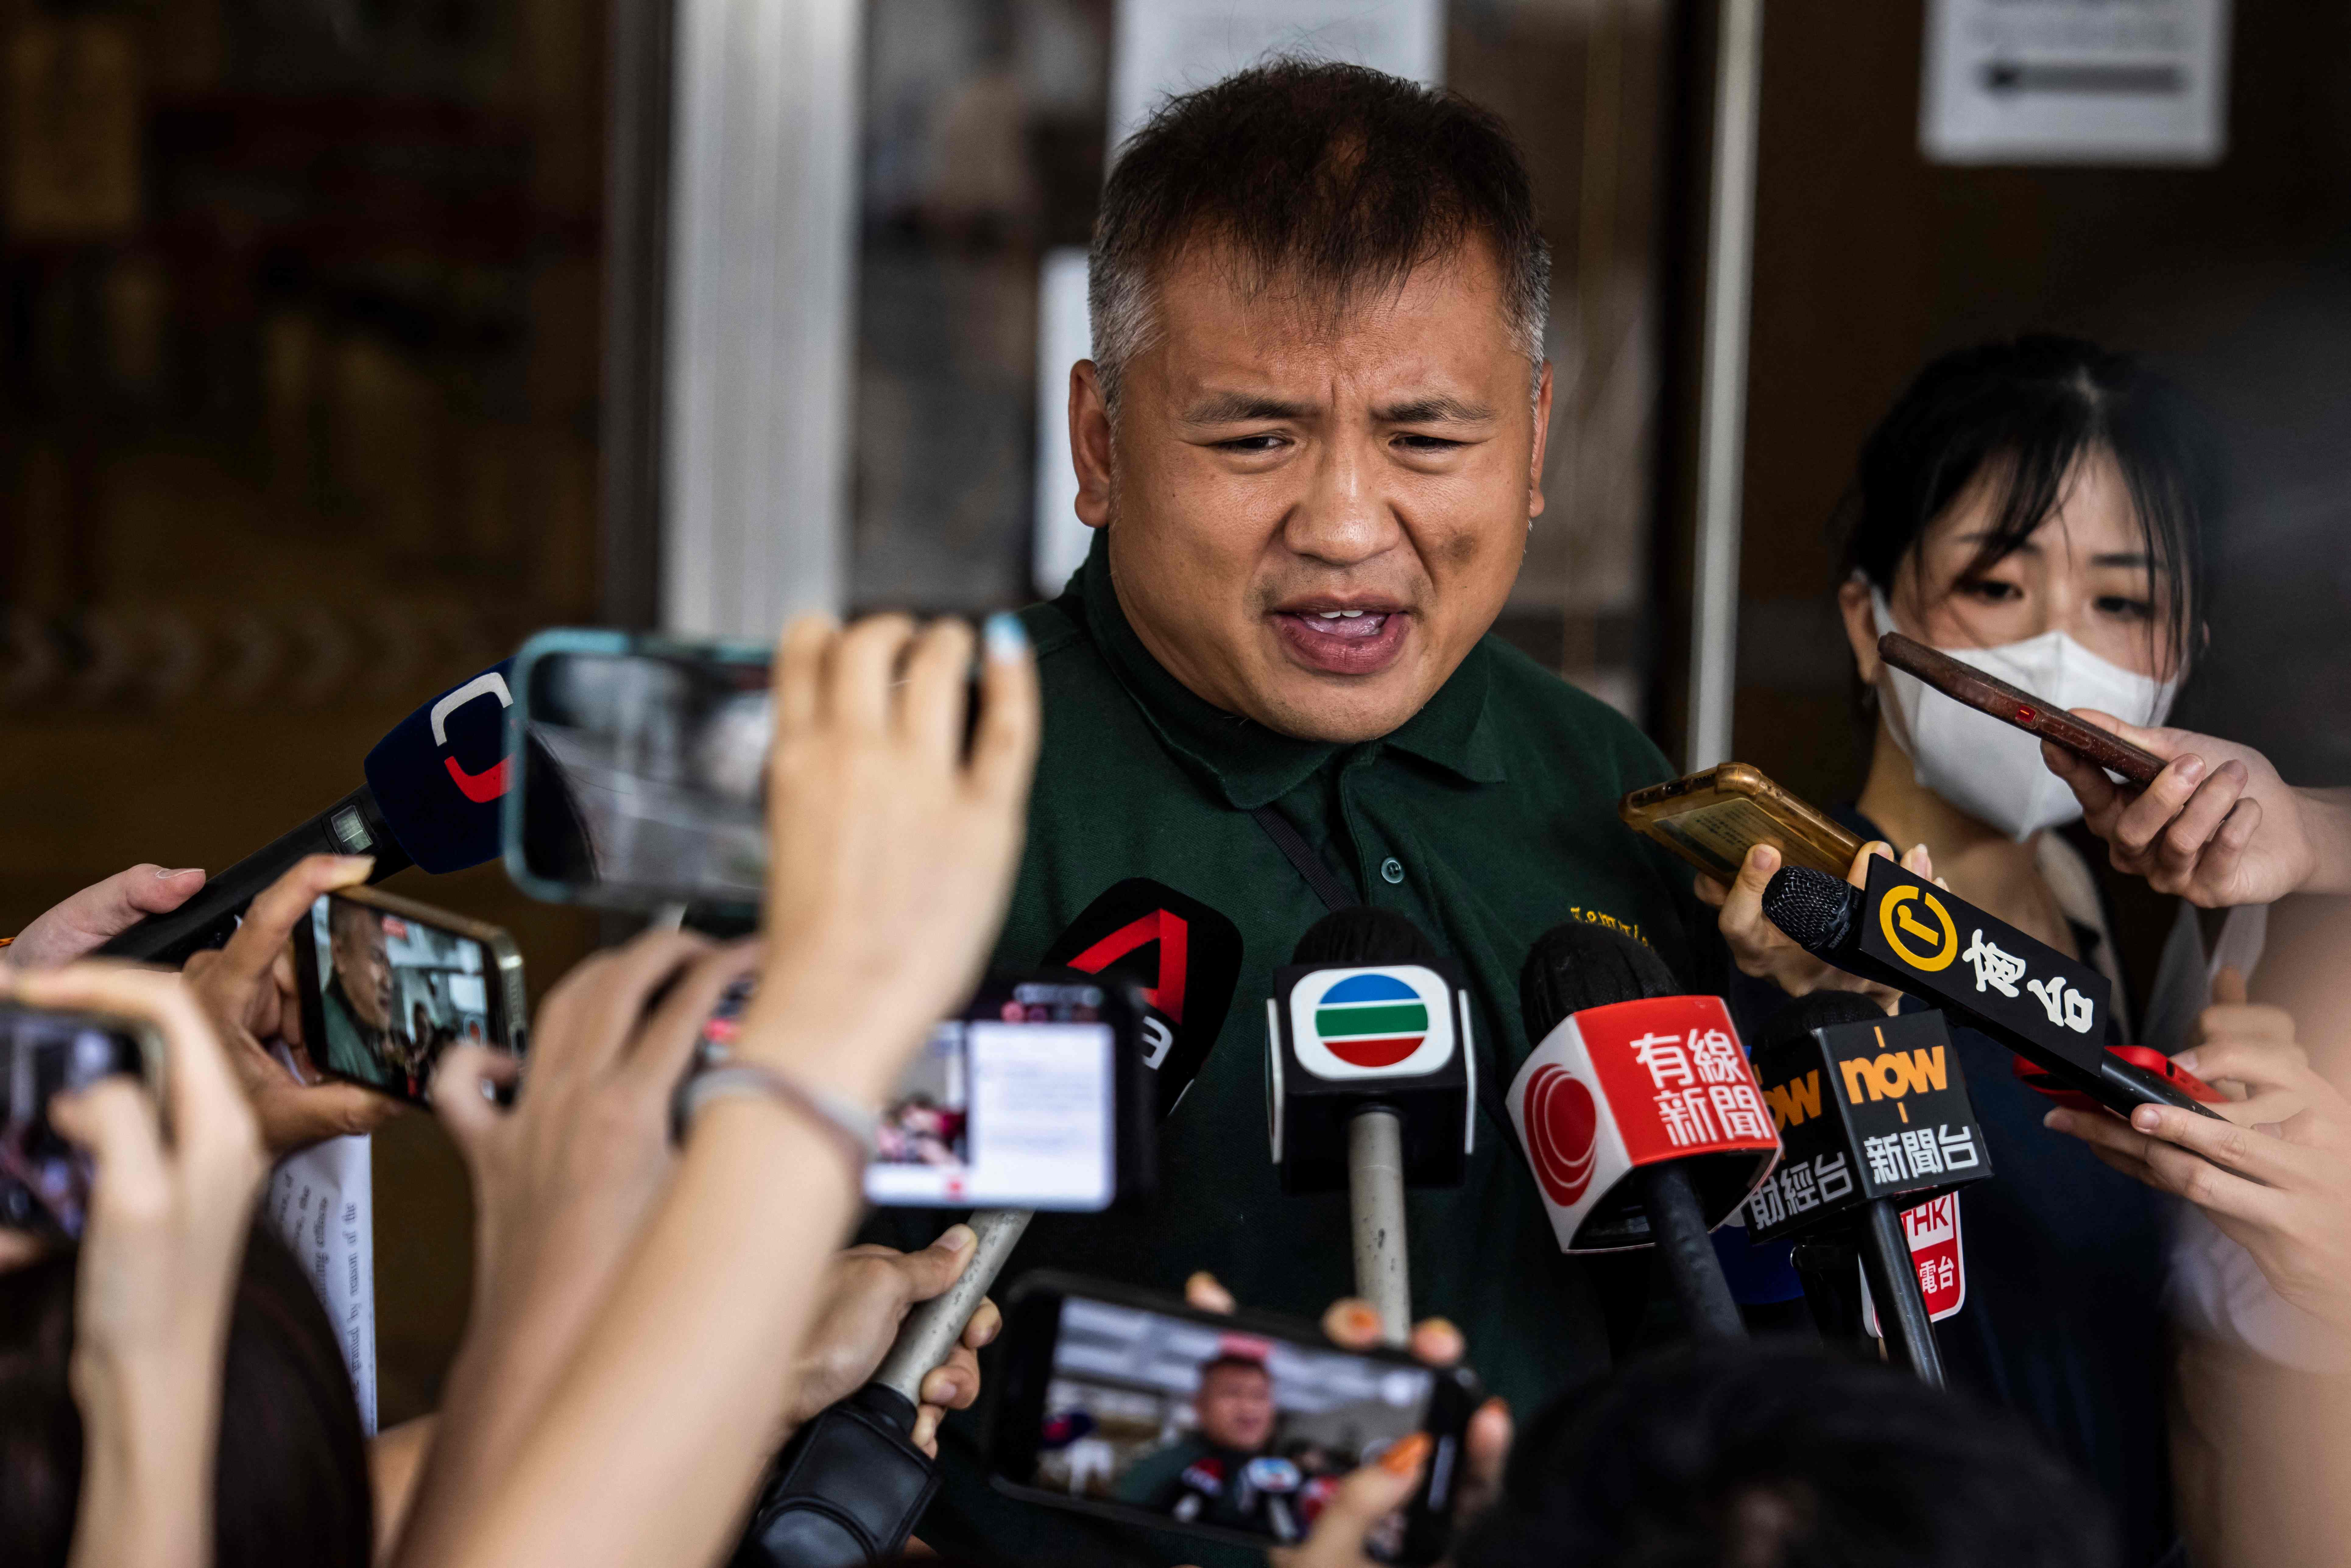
x=2033 y=509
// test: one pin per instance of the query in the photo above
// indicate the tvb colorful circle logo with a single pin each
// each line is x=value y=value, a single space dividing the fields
x=1563 y=1124
x=1395 y=1020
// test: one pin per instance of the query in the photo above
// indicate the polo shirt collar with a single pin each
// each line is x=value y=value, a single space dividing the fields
x=1248 y=764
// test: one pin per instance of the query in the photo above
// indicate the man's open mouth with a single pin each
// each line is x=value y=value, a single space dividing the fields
x=1344 y=639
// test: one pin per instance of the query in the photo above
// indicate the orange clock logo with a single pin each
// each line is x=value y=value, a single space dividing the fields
x=1903 y=929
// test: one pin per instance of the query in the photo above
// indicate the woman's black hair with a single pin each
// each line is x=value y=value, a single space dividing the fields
x=291 y=1483
x=2021 y=415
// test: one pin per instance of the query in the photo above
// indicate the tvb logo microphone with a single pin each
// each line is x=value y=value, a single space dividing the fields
x=1185 y=957
x=1637 y=1083
x=1342 y=1037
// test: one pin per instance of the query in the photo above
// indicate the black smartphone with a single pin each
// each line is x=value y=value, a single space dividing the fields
x=1034 y=1097
x=1135 y=1406
x=44 y=1180
x=388 y=983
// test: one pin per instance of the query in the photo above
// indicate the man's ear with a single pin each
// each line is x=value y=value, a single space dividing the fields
x=1541 y=440
x=1860 y=627
x=1089 y=444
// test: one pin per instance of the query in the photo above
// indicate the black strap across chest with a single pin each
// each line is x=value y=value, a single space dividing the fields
x=1333 y=893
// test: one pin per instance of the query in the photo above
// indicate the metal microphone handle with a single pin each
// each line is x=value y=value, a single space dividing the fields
x=1902 y=1314
x=928 y=1335
x=1375 y=1201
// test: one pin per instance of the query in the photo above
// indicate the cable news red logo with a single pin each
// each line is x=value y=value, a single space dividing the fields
x=1562 y=1133
x=490 y=783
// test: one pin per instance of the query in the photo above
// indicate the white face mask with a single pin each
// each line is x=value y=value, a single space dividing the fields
x=1991 y=770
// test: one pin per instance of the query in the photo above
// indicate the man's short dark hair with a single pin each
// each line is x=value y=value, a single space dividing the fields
x=1788 y=1456
x=1336 y=178
x=1233 y=1361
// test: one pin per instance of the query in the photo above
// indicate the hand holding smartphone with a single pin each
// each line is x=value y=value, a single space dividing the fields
x=44 y=1179
x=389 y=984
x=1713 y=817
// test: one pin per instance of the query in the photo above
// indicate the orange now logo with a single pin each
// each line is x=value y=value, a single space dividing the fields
x=1893 y=1074
x=1795 y=1101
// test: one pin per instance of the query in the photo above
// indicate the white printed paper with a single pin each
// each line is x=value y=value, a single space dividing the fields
x=321 y=1204
x=2076 y=81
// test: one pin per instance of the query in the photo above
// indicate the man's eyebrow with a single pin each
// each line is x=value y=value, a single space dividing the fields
x=1434 y=409
x=1238 y=407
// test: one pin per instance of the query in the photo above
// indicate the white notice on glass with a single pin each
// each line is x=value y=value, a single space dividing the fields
x=2076 y=81
x=1166 y=47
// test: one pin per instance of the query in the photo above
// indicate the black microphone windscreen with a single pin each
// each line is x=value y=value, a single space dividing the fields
x=1364 y=935
x=1185 y=955
x=1818 y=1009
x=1576 y=964
x=439 y=775
x=1811 y=908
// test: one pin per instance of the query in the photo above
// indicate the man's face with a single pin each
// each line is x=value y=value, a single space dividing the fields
x=1313 y=520
x=364 y=968
x=1235 y=1406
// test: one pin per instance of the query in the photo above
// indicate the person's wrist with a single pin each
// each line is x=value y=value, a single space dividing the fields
x=2326 y=823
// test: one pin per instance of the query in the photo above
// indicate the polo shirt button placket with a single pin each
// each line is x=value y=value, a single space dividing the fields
x=1392 y=870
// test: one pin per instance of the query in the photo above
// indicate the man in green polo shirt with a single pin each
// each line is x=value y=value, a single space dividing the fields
x=1311 y=444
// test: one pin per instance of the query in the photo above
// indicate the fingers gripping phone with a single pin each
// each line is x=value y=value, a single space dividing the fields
x=389 y=984
x=1712 y=819
x=1138 y=1408
x=1034 y=1097
x=44 y=1180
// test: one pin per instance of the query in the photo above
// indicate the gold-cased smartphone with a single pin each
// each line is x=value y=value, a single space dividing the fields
x=1712 y=819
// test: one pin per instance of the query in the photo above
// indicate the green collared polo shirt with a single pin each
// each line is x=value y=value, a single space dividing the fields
x=1488 y=818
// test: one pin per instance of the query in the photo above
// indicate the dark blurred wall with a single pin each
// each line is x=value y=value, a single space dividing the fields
x=299 y=326
x=2235 y=278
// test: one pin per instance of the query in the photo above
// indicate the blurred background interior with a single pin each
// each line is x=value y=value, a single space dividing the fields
x=343 y=342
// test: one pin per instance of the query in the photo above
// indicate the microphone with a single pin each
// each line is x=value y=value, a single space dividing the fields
x=1870 y=1110
x=1370 y=1083
x=1638 y=1110
x=848 y=1488
x=431 y=800
x=1904 y=932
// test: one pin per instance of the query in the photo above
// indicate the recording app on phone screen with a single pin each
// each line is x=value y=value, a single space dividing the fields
x=394 y=993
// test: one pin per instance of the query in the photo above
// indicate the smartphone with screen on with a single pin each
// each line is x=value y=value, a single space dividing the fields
x=1135 y=1406
x=388 y=983
x=1712 y=819
x=44 y=1180
x=1033 y=1097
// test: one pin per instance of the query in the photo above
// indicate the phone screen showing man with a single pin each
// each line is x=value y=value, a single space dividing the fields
x=394 y=993
x=1210 y=1426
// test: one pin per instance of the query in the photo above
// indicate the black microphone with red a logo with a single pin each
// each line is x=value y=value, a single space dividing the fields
x=432 y=799
x=1879 y=1134
x=851 y=1484
x=1638 y=1110
x=1371 y=1078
